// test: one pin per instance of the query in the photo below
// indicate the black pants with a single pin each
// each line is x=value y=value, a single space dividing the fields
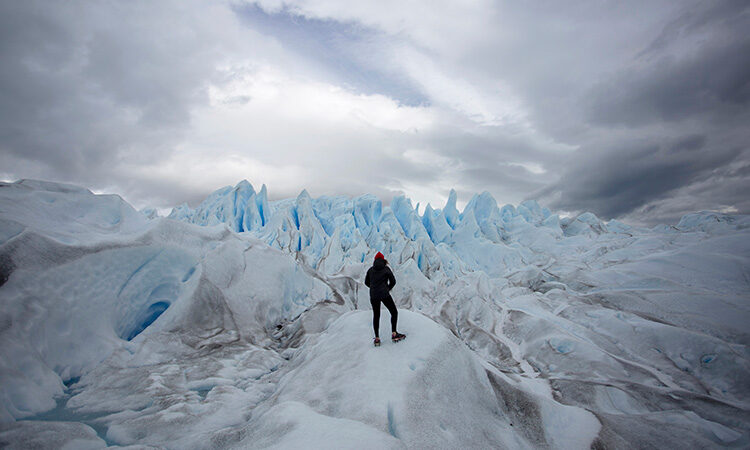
x=388 y=302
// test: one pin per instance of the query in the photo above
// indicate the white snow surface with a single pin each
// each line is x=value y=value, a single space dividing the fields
x=244 y=323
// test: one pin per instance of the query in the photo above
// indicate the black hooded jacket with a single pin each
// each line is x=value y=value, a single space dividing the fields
x=380 y=280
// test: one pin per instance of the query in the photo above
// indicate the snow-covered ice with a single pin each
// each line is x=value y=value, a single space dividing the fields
x=243 y=323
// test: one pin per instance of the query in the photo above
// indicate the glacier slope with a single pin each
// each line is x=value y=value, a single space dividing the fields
x=428 y=391
x=570 y=328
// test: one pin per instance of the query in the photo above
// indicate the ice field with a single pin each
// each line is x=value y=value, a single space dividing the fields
x=244 y=323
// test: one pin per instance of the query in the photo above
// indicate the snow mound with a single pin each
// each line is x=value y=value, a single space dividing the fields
x=51 y=435
x=709 y=221
x=428 y=391
x=65 y=213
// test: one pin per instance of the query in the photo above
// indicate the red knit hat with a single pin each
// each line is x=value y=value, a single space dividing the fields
x=379 y=256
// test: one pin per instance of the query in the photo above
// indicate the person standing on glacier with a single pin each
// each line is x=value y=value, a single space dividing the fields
x=380 y=280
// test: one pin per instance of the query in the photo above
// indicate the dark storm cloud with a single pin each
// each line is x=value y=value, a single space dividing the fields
x=617 y=181
x=87 y=89
x=714 y=79
x=684 y=101
x=724 y=189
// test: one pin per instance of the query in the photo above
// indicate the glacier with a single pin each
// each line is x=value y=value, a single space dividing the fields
x=244 y=323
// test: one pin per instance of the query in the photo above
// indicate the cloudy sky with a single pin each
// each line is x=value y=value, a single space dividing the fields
x=637 y=110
